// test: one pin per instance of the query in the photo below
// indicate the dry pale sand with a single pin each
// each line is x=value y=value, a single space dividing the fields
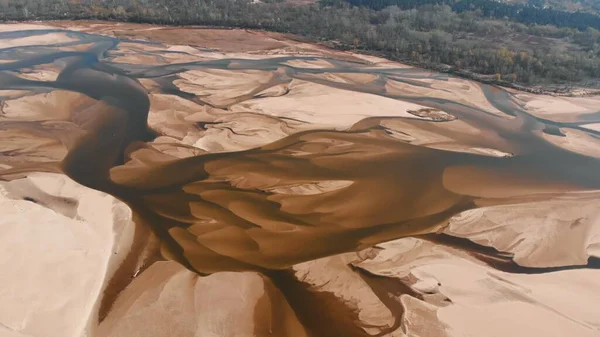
x=60 y=244
x=578 y=141
x=285 y=189
x=465 y=92
x=325 y=106
x=468 y=298
x=560 y=109
x=332 y=275
x=47 y=39
x=555 y=233
x=25 y=26
x=168 y=300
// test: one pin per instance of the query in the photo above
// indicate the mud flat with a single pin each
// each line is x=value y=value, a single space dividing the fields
x=202 y=182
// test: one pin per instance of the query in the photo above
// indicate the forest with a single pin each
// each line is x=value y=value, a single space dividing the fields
x=475 y=42
x=529 y=13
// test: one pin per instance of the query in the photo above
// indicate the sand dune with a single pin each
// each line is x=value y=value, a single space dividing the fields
x=61 y=242
x=332 y=275
x=533 y=304
x=576 y=141
x=45 y=39
x=560 y=109
x=465 y=92
x=169 y=300
x=560 y=232
x=311 y=103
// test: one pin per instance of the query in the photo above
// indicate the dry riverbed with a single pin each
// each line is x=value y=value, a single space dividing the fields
x=159 y=181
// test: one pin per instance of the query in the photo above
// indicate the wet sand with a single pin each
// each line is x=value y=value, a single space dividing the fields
x=250 y=166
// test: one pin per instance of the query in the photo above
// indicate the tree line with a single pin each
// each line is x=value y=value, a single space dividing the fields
x=433 y=36
x=528 y=13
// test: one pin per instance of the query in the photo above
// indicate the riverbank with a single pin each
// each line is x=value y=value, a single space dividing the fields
x=585 y=84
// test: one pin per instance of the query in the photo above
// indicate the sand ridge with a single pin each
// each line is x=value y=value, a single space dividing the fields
x=65 y=253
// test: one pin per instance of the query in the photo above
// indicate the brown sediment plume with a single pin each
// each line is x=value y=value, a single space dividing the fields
x=242 y=163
